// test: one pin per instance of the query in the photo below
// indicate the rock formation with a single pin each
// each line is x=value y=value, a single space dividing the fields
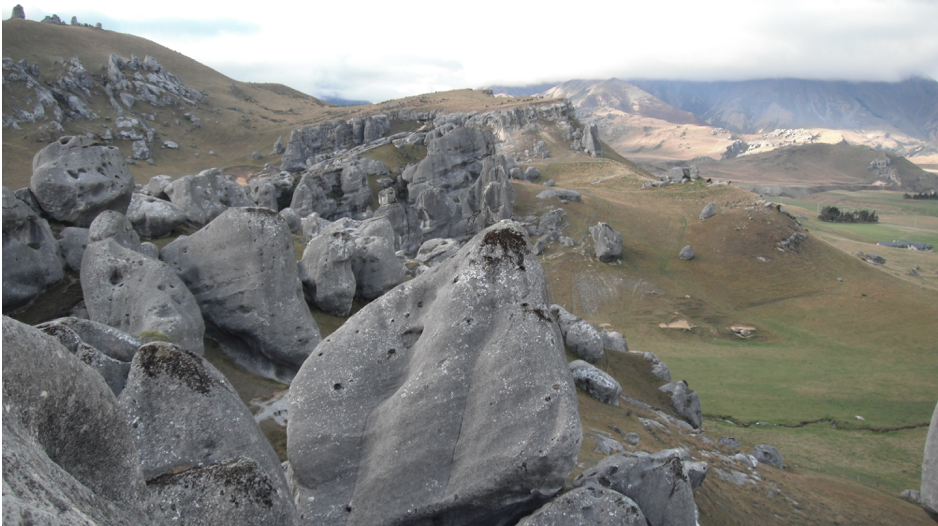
x=154 y=218
x=687 y=253
x=206 y=195
x=580 y=336
x=597 y=383
x=391 y=418
x=608 y=242
x=685 y=402
x=590 y=505
x=708 y=211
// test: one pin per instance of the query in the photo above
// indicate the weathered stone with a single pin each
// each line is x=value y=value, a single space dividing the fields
x=687 y=253
x=696 y=472
x=293 y=221
x=657 y=483
x=264 y=193
x=326 y=272
x=591 y=505
x=559 y=193
x=532 y=174
x=32 y=259
x=437 y=213
x=658 y=368
x=768 y=455
x=614 y=340
x=18 y=12
x=156 y=186
x=278 y=146
x=580 y=336
x=708 y=211
x=183 y=413
x=595 y=382
x=242 y=270
x=140 y=150
x=453 y=161
x=435 y=251
x=590 y=141
x=236 y=492
x=140 y=296
x=206 y=195
x=75 y=178
x=110 y=341
x=73 y=241
x=114 y=225
x=376 y=268
x=685 y=402
x=406 y=225
x=490 y=198
x=608 y=242
x=391 y=418
x=730 y=443
x=633 y=438
x=929 y=491
x=68 y=457
x=154 y=218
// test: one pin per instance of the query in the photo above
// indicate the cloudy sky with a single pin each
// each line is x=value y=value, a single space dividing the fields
x=389 y=49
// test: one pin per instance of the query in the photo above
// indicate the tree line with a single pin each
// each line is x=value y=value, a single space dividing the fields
x=922 y=195
x=832 y=214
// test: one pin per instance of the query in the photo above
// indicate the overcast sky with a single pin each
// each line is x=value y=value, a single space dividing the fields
x=394 y=48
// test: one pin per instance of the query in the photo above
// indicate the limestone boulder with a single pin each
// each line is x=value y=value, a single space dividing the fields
x=376 y=267
x=236 y=492
x=73 y=240
x=326 y=272
x=68 y=457
x=614 y=340
x=183 y=413
x=657 y=483
x=139 y=295
x=590 y=505
x=590 y=141
x=206 y=195
x=405 y=223
x=597 y=383
x=580 y=336
x=154 y=218
x=686 y=403
x=242 y=270
x=114 y=225
x=76 y=178
x=608 y=242
x=391 y=418
x=32 y=259
x=453 y=161
x=435 y=251
x=767 y=454
x=559 y=193
x=489 y=200
x=708 y=211
x=687 y=253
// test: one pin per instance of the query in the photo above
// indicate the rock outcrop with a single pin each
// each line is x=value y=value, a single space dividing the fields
x=708 y=211
x=76 y=178
x=687 y=253
x=242 y=270
x=323 y=139
x=685 y=401
x=139 y=295
x=154 y=218
x=767 y=454
x=391 y=417
x=580 y=336
x=32 y=259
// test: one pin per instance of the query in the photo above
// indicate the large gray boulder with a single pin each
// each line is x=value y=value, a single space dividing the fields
x=929 y=491
x=687 y=253
x=559 y=193
x=68 y=457
x=686 y=403
x=608 y=242
x=152 y=217
x=614 y=340
x=595 y=382
x=580 y=336
x=489 y=200
x=242 y=270
x=392 y=418
x=236 y=492
x=658 y=483
x=435 y=251
x=73 y=240
x=206 y=195
x=708 y=211
x=183 y=413
x=376 y=267
x=406 y=225
x=139 y=295
x=76 y=178
x=326 y=272
x=767 y=454
x=590 y=505
x=32 y=259
x=114 y=225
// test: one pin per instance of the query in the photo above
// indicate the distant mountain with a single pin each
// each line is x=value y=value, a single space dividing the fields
x=589 y=95
x=758 y=106
x=338 y=101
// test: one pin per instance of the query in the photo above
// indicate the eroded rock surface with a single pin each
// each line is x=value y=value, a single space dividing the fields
x=392 y=418
x=32 y=259
x=591 y=505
